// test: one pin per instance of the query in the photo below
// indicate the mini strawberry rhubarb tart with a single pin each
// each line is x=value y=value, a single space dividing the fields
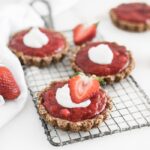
x=9 y=89
x=77 y=104
x=131 y=16
x=38 y=46
x=107 y=60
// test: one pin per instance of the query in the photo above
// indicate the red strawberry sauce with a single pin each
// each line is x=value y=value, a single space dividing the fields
x=56 y=43
x=120 y=59
x=133 y=12
x=98 y=102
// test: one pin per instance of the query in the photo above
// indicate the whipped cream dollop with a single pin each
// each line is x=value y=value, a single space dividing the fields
x=101 y=54
x=35 y=38
x=64 y=99
x=2 y=101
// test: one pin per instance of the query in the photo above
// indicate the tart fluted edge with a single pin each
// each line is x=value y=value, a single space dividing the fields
x=109 y=79
x=66 y=125
x=126 y=25
x=38 y=61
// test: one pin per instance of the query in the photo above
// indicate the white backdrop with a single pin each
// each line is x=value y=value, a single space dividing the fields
x=25 y=131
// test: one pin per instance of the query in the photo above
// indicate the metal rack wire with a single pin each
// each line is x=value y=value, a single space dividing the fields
x=131 y=107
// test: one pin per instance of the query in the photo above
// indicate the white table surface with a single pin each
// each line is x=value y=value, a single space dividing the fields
x=25 y=131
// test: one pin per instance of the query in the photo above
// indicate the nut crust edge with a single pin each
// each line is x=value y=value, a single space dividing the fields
x=38 y=61
x=129 y=26
x=66 y=125
x=109 y=79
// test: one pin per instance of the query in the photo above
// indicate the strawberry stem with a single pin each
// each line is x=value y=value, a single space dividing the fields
x=101 y=81
x=77 y=73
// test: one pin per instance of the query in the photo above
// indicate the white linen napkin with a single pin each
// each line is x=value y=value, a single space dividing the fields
x=11 y=108
x=14 y=18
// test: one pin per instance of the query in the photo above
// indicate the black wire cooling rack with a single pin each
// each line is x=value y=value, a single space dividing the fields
x=131 y=106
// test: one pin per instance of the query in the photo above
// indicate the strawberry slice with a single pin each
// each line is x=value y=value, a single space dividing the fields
x=82 y=88
x=82 y=33
x=8 y=86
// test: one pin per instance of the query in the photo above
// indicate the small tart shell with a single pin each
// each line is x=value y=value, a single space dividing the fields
x=126 y=25
x=66 y=125
x=40 y=61
x=109 y=79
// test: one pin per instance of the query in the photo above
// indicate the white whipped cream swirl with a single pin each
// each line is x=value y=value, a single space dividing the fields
x=101 y=54
x=35 y=38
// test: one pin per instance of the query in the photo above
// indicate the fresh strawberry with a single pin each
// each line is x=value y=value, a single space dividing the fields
x=82 y=33
x=8 y=86
x=82 y=88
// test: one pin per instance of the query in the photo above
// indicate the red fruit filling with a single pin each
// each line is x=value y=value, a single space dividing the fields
x=133 y=12
x=56 y=44
x=120 y=60
x=98 y=103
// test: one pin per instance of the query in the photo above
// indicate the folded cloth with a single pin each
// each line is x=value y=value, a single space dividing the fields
x=14 y=18
x=11 y=108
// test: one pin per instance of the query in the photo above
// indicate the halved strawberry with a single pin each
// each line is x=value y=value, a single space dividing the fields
x=8 y=86
x=82 y=88
x=82 y=33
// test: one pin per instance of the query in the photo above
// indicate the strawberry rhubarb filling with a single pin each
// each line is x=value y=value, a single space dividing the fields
x=38 y=42
x=133 y=12
x=102 y=58
x=75 y=100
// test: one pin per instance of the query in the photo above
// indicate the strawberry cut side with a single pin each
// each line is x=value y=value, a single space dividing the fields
x=8 y=86
x=82 y=88
x=82 y=33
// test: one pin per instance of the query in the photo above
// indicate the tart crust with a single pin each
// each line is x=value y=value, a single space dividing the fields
x=66 y=125
x=40 y=61
x=126 y=25
x=109 y=79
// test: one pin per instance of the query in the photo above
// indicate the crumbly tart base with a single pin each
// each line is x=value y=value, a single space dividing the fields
x=66 y=125
x=129 y=26
x=109 y=79
x=40 y=61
